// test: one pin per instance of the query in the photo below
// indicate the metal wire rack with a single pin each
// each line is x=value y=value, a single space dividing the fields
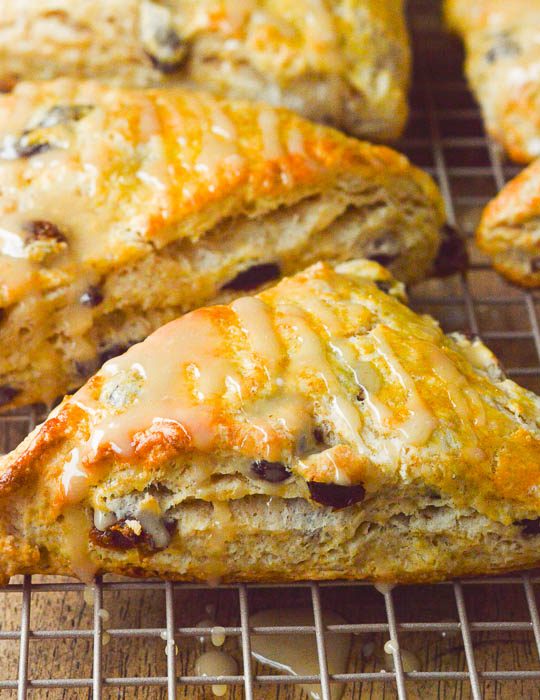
x=465 y=654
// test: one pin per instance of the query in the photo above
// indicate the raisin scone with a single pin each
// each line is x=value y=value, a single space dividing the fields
x=122 y=209
x=509 y=230
x=320 y=429
x=502 y=41
x=345 y=63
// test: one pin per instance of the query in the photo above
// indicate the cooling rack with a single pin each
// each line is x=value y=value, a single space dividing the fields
x=476 y=638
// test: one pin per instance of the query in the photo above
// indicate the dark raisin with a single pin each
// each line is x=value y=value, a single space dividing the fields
x=60 y=114
x=253 y=277
x=383 y=259
x=384 y=250
x=168 y=52
x=25 y=148
x=535 y=264
x=112 y=351
x=85 y=368
x=452 y=254
x=121 y=536
x=503 y=47
x=274 y=472
x=318 y=434
x=529 y=527
x=43 y=231
x=8 y=393
x=335 y=495
x=92 y=297
x=361 y=395
x=384 y=285
x=7 y=85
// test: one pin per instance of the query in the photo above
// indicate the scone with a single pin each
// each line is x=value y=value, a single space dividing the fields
x=502 y=41
x=318 y=430
x=509 y=229
x=122 y=209
x=345 y=63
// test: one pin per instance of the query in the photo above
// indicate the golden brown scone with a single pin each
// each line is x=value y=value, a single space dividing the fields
x=509 y=229
x=122 y=209
x=345 y=62
x=502 y=40
x=320 y=429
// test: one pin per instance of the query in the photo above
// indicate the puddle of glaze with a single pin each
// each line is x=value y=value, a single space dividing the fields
x=296 y=654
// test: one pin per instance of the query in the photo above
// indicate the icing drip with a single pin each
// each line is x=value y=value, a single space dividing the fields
x=421 y=422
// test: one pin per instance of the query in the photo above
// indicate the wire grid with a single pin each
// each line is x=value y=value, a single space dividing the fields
x=445 y=136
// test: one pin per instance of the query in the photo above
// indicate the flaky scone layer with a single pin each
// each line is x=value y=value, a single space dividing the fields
x=122 y=209
x=509 y=230
x=503 y=67
x=319 y=429
x=344 y=62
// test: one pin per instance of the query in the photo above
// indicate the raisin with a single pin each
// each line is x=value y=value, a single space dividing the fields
x=335 y=495
x=60 y=114
x=274 y=472
x=318 y=434
x=8 y=393
x=529 y=527
x=253 y=277
x=383 y=250
x=86 y=368
x=503 y=47
x=383 y=259
x=361 y=395
x=121 y=536
x=91 y=297
x=384 y=285
x=43 y=231
x=112 y=351
x=535 y=264
x=452 y=254
x=24 y=148
x=169 y=52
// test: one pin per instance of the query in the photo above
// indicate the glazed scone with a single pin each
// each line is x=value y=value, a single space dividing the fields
x=509 y=230
x=318 y=430
x=345 y=63
x=502 y=41
x=122 y=209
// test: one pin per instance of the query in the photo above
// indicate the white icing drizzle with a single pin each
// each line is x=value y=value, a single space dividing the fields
x=297 y=654
x=216 y=663
x=269 y=125
x=256 y=320
x=310 y=358
x=219 y=143
x=11 y=244
x=76 y=526
x=295 y=142
x=217 y=636
x=421 y=422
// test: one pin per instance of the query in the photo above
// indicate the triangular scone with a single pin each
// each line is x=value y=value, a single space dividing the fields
x=122 y=209
x=344 y=63
x=509 y=230
x=318 y=430
x=502 y=66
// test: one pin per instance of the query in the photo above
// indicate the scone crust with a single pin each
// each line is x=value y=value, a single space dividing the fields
x=406 y=418
x=509 y=230
x=502 y=64
x=345 y=62
x=108 y=193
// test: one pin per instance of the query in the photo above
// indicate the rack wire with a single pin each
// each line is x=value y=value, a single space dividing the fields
x=445 y=137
